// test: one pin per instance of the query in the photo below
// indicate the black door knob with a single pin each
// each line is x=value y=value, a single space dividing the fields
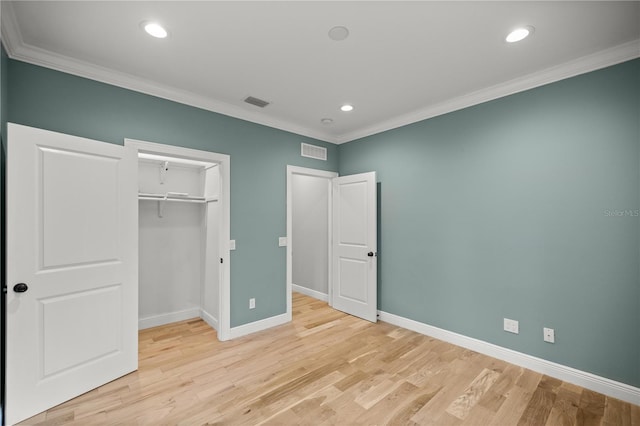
x=20 y=288
x=370 y=254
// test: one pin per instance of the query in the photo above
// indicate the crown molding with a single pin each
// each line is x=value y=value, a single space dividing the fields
x=37 y=56
x=9 y=29
x=585 y=64
x=17 y=49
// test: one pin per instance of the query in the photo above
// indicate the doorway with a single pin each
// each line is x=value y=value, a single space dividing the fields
x=308 y=233
x=332 y=239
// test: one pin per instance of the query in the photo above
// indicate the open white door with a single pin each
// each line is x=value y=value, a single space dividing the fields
x=72 y=269
x=354 y=254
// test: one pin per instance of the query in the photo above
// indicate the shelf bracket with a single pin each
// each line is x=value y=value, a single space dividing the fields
x=164 y=168
x=161 y=204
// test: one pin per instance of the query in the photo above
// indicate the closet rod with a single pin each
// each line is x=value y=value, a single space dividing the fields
x=179 y=200
x=171 y=196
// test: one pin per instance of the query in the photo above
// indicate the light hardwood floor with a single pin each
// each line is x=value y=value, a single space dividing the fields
x=329 y=368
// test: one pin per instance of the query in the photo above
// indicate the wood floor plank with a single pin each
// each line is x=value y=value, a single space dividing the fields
x=461 y=406
x=616 y=413
x=515 y=403
x=591 y=408
x=565 y=408
x=328 y=368
x=539 y=408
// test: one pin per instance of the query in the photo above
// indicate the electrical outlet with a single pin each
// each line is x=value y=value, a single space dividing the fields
x=549 y=335
x=511 y=326
x=282 y=241
x=252 y=303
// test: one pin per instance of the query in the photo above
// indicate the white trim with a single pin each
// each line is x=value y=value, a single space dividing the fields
x=17 y=49
x=11 y=36
x=260 y=325
x=309 y=292
x=209 y=319
x=224 y=162
x=291 y=170
x=587 y=380
x=162 y=319
x=585 y=64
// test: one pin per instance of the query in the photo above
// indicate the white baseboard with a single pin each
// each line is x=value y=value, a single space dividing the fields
x=253 y=327
x=209 y=319
x=587 y=380
x=162 y=319
x=311 y=293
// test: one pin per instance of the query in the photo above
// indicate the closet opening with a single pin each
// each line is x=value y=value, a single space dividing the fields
x=183 y=249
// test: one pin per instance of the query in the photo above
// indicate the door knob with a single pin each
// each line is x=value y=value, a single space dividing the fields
x=20 y=288
x=370 y=254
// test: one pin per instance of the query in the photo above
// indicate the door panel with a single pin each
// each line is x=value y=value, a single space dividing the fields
x=353 y=211
x=69 y=343
x=353 y=277
x=72 y=238
x=94 y=199
x=354 y=283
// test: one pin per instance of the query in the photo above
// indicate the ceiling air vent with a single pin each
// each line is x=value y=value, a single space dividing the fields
x=313 y=151
x=257 y=102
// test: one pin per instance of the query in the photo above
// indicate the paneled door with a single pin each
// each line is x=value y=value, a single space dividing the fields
x=72 y=267
x=354 y=250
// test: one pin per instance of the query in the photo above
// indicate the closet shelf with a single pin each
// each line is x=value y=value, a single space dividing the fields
x=171 y=196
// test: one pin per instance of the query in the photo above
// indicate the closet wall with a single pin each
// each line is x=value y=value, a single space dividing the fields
x=178 y=242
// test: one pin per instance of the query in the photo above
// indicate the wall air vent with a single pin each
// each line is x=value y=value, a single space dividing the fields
x=313 y=151
x=257 y=102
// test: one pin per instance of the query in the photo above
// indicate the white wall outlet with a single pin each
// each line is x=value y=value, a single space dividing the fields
x=511 y=326
x=252 y=303
x=282 y=241
x=232 y=244
x=549 y=335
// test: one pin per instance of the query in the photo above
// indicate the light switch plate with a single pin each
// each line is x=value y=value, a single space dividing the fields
x=282 y=242
x=232 y=244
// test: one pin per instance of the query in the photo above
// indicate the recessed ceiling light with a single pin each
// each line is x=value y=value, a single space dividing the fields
x=338 y=33
x=326 y=121
x=519 y=34
x=346 y=108
x=154 y=29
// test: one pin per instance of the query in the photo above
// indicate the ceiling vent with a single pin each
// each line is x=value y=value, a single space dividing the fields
x=257 y=102
x=313 y=151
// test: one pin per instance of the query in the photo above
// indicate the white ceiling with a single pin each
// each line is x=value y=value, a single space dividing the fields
x=403 y=61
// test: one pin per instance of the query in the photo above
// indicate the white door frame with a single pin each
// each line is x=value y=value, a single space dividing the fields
x=295 y=170
x=224 y=162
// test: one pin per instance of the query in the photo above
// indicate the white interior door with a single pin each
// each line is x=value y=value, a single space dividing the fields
x=354 y=254
x=72 y=247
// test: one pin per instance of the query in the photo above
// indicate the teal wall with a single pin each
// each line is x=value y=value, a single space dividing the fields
x=259 y=155
x=499 y=210
x=508 y=209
